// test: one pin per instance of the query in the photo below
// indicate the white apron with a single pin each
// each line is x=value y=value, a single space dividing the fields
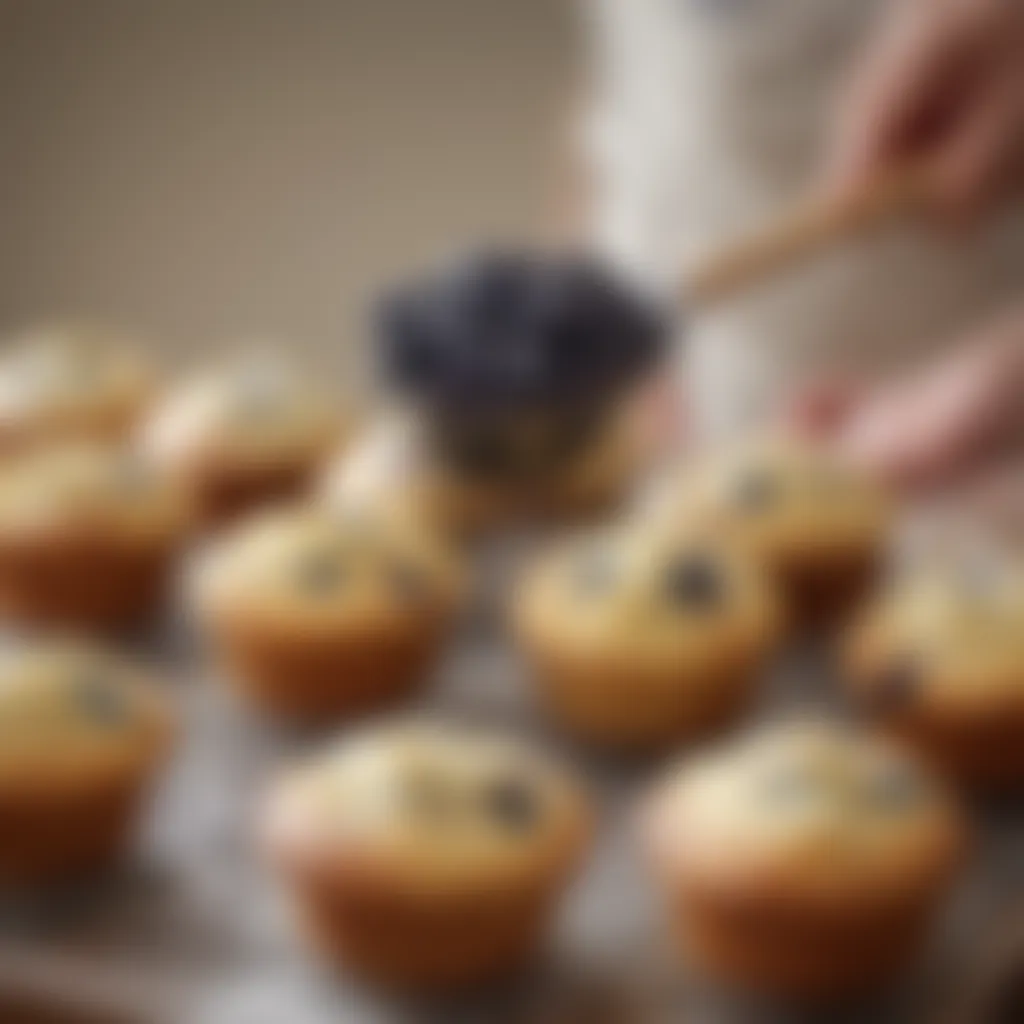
x=708 y=116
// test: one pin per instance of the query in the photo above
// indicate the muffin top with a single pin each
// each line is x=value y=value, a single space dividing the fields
x=258 y=411
x=332 y=569
x=87 y=489
x=71 y=379
x=782 y=500
x=649 y=595
x=944 y=637
x=429 y=805
x=806 y=808
x=72 y=713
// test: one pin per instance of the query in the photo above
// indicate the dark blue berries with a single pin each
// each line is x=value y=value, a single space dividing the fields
x=695 y=582
x=513 y=803
x=512 y=330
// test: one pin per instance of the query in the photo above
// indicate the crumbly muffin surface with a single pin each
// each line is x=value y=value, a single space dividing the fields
x=807 y=808
x=89 y=487
x=434 y=803
x=69 y=709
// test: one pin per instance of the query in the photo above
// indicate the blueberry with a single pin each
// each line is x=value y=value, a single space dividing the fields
x=98 y=701
x=694 y=581
x=512 y=802
x=494 y=287
x=511 y=329
x=895 y=687
x=319 y=573
x=755 y=491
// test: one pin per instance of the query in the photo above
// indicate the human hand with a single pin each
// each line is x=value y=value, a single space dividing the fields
x=941 y=88
x=932 y=428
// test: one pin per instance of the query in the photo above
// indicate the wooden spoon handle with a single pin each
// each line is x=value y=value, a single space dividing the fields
x=800 y=232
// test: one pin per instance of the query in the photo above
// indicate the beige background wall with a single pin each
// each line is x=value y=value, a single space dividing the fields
x=209 y=168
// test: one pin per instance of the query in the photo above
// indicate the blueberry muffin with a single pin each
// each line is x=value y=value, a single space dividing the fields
x=522 y=373
x=938 y=659
x=66 y=383
x=819 y=526
x=320 y=613
x=641 y=638
x=392 y=465
x=427 y=856
x=245 y=435
x=88 y=537
x=806 y=862
x=82 y=734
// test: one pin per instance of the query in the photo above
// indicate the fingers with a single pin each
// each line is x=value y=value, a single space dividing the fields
x=937 y=427
x=943 y=88
x=889 y=92
x=981 y=155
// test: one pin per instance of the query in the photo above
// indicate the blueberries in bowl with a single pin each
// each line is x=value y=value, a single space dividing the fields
x=510 y=330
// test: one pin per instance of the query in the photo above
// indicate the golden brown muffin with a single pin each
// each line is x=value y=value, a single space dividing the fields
x=819 y=526
x=88 y=537
x=938 y=660
x=805 y=862
x=642 y=638
x=68 y=383
x=478 y=490
x=245 y=435
x=320 y=613
x=424 y=855
x=82 y=734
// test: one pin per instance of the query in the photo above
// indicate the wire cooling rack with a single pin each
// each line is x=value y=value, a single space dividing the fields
x=193 y=931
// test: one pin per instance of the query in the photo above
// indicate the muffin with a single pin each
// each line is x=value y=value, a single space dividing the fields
x=319 y=613
x=938 y=659
x=392 y=465
x=806 y=863
x=522 y=374
x=244 y=436
x=642 y=638
x=819 y=526
x=81 y=736
x=427 y=856
x=67 y=383
x=88 y=537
